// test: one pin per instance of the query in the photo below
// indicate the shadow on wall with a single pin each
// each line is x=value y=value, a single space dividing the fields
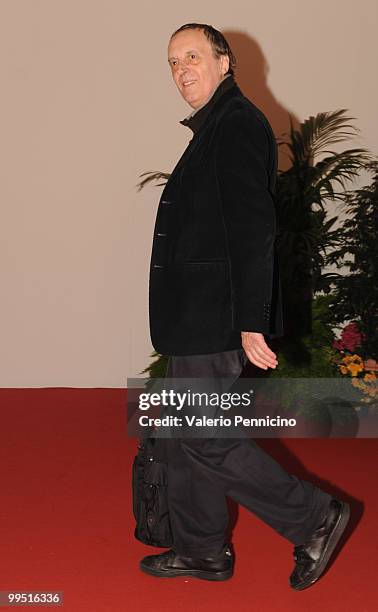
x=251 y=75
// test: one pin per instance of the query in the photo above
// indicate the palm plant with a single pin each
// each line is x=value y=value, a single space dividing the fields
x=304 y=190
x=356 y=294
x=317 y=177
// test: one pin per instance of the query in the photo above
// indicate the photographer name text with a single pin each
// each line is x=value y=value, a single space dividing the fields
x=204 y=421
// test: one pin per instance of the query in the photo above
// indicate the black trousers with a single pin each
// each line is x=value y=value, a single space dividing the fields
x=203 y=471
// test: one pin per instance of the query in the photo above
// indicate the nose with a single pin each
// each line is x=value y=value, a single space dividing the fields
x=181 y=66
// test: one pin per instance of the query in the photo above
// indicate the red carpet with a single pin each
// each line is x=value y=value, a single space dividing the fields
x=66 y=520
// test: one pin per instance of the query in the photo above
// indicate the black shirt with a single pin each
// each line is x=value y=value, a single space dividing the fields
x=198 y=117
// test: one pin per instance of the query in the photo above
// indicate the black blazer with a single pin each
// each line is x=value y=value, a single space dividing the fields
x=214 y=269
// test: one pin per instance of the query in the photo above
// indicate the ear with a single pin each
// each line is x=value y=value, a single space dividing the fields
x=225 y=64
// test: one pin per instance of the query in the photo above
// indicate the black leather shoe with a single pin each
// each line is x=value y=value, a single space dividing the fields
x=312 y=557
x=169 y=565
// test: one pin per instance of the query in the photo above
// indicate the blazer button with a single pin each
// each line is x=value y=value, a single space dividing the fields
x=158 y=266
x=166 y=202
x=159 y=234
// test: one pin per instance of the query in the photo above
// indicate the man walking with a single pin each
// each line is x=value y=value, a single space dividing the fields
x=214 y=300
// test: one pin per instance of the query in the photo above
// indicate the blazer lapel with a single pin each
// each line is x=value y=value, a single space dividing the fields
x=199 y=136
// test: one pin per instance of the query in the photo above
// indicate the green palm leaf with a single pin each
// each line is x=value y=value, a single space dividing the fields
x=152 y=176
x=319 y=132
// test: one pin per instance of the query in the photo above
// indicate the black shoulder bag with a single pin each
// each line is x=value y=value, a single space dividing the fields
x=149 y=488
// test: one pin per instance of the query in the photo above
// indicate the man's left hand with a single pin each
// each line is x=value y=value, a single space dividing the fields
x=257 y=350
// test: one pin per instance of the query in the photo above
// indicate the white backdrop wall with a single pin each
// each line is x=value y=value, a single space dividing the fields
x=88 y=104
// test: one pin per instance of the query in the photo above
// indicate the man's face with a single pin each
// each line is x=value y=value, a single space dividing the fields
x=195 y=70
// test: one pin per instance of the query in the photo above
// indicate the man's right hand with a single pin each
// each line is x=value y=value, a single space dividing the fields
x=257 y=350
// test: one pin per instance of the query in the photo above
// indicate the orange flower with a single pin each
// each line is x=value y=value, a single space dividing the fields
x=347 y=359
x=370 y=376
x=357 y=358
x=356 y=383
x=355 y=368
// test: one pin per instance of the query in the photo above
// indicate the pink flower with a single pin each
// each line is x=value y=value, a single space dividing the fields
x=371 y=364
x=350 y=338
x=338 y=345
